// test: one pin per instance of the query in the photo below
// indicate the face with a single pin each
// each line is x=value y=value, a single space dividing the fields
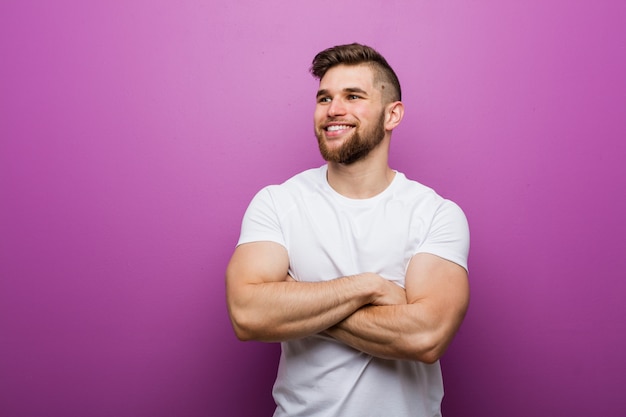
x=349 y=115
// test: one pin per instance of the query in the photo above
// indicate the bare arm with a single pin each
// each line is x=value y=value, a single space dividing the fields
x=265 y=305
x=438 y=296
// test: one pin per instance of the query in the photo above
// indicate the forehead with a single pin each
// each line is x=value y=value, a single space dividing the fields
x=348 y=76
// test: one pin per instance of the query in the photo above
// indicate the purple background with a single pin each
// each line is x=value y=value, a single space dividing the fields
x=134 y=133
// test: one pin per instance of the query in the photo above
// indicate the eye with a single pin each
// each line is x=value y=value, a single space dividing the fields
x=353 y=97
x=323 y=100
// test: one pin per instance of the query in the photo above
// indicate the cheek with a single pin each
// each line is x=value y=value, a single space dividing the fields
x=319 y=115
x=363 y=111
x=369 y=115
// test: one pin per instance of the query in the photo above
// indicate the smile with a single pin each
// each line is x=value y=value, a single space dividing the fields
x=335 y=128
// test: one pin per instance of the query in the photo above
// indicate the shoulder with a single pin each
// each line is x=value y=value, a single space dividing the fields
x=292 y=191
x=309 y=179
x=443 y=222
x=416 y=193
x=305 y=182
x=431 y=207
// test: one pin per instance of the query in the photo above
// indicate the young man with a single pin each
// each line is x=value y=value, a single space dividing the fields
x=360 y=273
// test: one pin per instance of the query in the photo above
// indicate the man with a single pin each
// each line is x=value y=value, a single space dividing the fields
x=360 y=273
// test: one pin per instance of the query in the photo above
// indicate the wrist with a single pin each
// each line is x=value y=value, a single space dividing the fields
x=371 y=286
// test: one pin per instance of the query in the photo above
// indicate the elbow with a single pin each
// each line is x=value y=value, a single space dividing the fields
x=431 y=356
x=242 y=320
x=241 y=333
x=427 y=349
x=428 y=356
x=243 y=327
x=249 y=327
x=433 y=350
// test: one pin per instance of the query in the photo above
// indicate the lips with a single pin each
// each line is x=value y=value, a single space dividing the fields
x=336 y=128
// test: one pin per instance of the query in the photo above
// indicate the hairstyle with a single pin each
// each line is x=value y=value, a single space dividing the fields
x=356 y=54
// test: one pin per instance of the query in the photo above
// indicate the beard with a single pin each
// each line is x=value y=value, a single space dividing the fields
x=355 y=147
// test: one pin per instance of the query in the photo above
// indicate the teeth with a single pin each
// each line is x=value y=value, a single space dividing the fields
x=337 y=127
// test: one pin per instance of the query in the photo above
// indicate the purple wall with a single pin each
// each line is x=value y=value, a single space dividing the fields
x=133 y=134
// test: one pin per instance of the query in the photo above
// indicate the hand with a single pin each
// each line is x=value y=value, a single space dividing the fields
x=388 y=292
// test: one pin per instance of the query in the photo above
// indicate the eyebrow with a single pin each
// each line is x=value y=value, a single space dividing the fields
x=325 y=92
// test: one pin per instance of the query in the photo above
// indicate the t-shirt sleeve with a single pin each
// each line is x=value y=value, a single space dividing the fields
x=261 y=220
x=448 y=236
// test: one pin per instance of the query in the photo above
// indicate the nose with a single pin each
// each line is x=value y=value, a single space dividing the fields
x=336 y=108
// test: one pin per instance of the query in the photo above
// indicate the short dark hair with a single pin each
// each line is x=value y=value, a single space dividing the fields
x=356 y=54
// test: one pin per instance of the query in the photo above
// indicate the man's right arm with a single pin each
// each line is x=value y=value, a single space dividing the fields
x=265 y=305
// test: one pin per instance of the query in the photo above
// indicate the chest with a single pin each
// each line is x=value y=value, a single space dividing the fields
x=327 y=240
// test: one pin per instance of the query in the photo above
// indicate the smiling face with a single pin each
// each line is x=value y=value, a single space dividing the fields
x=349 y=115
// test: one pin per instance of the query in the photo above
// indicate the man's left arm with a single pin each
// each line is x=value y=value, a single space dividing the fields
x=437 y=292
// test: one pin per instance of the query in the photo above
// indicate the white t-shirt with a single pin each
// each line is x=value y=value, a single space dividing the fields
x=328 y=236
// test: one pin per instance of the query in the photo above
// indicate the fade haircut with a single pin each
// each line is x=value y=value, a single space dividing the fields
x=357 y=54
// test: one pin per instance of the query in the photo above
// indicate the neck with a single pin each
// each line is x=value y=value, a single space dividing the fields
x=362 y=179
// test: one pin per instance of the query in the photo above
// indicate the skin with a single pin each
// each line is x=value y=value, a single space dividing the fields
x=332 y=125
x=364 y=311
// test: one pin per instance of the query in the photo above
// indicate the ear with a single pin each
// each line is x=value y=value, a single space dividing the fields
x=393 y=114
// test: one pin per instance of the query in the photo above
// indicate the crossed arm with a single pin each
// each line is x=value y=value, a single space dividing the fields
x=364 y=311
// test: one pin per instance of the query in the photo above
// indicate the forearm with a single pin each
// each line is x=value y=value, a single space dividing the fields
x=391 y=332
x=265 y=304
x=437 y=299
x=277 y=311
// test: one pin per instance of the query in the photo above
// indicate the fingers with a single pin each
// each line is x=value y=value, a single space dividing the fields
x=391 y=294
